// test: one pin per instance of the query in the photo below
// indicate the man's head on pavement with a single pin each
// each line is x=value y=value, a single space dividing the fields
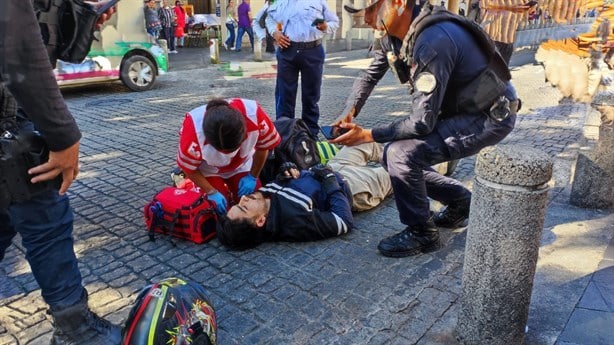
x=224 y=126
x=391 y=16
x=242 y=227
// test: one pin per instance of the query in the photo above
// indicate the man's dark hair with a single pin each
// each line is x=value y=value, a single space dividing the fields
x=239 y=234
x=224 y=126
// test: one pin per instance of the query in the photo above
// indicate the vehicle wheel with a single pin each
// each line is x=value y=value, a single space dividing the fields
x=138 y=73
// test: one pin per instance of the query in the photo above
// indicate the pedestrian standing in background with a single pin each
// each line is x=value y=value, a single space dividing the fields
x=152 y=21
x=180 y=29
x=298 y=27
x=168 y=20
x=604 y=30
x=473 y=13
x=231 y=23
x=244 y=13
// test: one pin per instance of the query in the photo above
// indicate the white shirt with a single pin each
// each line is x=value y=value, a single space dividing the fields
x=296 y=18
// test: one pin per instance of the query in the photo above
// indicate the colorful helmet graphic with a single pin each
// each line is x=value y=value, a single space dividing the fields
x=171 y=312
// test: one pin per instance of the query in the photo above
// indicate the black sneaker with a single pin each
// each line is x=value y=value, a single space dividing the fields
x=455 y=215
x=411 y=241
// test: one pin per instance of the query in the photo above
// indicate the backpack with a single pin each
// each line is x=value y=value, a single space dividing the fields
x=183 y=213
x=172 y=311
x=297 y=145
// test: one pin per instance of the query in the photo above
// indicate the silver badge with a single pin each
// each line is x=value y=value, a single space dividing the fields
x=425 y=82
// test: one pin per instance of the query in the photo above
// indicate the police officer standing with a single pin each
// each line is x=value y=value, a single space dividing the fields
x=31 y=204
x=298 y=28
x=462 y=101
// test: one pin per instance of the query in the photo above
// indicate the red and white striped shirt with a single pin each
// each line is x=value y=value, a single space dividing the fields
x=195 y=153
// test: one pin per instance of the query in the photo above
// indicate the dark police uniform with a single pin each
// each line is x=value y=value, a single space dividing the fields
x=437 y=130
x=46 y=221
x=43 y=219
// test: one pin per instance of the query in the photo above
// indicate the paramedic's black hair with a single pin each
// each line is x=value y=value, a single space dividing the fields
x=224 y=126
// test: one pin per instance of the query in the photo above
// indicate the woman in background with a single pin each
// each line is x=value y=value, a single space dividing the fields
x=231 y=23
x=180 y=29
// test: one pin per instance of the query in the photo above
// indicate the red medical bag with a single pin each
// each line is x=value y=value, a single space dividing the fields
x=182 y=213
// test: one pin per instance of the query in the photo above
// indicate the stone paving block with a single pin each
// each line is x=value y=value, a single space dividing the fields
x=593 y=299
x=7 y=339
x=599 y=322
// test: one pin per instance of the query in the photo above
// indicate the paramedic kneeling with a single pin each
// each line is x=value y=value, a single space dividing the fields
x=223 y=146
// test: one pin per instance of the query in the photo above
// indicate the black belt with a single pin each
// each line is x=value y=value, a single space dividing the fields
x=306 y=45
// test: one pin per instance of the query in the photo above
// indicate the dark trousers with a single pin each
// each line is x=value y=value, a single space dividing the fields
x=409 y=162
x=309 y=63
x=45 y=224
x=167 y=33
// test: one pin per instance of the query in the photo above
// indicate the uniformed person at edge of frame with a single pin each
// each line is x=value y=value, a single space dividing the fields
x=38 y=211
x=462 y=101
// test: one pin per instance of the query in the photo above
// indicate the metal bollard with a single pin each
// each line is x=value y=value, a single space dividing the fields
x=214 y=51
x=505 y=224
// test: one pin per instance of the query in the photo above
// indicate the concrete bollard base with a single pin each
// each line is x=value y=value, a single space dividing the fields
x=508 y=208
x=214 y=51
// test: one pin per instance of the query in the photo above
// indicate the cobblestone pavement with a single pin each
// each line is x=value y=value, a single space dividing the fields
x=338 y=291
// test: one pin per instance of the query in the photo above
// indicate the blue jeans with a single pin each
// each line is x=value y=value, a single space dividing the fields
x=230 y=41
x=45 y=224
x=309 y=63
x=240 y=33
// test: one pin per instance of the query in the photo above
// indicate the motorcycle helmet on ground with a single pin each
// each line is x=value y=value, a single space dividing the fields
x=171 y=312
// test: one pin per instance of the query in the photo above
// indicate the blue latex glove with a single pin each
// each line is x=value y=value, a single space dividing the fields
x=220 y=202
x=247 y=185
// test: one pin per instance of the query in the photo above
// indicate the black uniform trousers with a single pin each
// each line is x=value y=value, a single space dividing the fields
x=409 y=162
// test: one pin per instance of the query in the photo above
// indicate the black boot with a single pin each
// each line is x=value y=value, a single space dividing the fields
x=455 y=215
x=78 y=325
x=411 y=241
